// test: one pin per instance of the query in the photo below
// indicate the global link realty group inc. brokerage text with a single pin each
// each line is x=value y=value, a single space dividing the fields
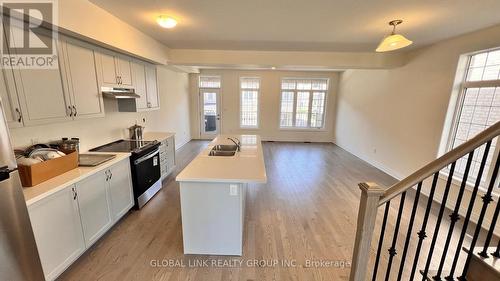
x=260 y=263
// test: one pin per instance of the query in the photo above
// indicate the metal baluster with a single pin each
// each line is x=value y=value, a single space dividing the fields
x=484 y=252
x=496 y=254
x=438 y=222
x=392 y=249
x=421 y=234
x=381 y=240
x=454 y=217
x=469 y=212
x=408 y=233
x=486 y=201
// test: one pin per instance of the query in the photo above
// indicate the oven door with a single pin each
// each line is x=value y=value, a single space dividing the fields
x=146 y=171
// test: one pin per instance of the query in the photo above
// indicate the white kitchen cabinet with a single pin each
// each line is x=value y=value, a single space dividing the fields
x=139 y=81
x=80 y=69
x=124 y=71
x=120 y=189
x=10 y=100
x=152 y=87
x=107 y=69
x=113 y=71
x=42 y=97
x=167 y=156
x=94 y=203
x=58 y=232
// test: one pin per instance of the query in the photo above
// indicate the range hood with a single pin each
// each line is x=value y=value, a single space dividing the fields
x=119 y=93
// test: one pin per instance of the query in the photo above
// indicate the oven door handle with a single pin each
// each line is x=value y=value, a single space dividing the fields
x=146 y=157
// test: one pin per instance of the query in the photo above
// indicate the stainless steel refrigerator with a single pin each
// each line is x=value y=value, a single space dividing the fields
x=19 y=258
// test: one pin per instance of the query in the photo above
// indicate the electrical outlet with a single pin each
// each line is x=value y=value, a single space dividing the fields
x=233 y=189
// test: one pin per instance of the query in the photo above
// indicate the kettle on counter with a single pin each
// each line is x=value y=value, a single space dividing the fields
x=135 y=132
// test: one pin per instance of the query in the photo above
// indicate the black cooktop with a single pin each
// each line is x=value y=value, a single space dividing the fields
x=134 y=146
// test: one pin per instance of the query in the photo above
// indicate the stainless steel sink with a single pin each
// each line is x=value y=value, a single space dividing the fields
x=215 y=152
x=225 y=147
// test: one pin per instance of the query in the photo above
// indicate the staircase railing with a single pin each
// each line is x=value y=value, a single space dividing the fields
x=419 y=257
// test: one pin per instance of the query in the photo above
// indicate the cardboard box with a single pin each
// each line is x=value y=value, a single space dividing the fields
x=40 y=172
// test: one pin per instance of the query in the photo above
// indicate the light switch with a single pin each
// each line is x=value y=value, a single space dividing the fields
x=233 y=189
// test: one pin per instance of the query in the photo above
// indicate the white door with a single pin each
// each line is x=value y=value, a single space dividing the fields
x=82 y=80
x=10 y=102
x=152 y=87
x=58 y=231
x=107 y=69
x=93 y=200
x=139 y=80
x=124 y=71
x=120 y=189
x=210 y=113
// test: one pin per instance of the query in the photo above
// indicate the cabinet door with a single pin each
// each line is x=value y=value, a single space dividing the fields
x=120 y=189
x=58 y=231
x=125 y=71
x=10 y=101
x=107 y=70
x=41 y=94
x=152 y=87
x=82 y=80
x=93 y=201
x=139 y=79
x=170 y=154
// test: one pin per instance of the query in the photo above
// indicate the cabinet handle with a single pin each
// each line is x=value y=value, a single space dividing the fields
x=74 y=193
x=107 y=175
x=70 y=111
x=76 y=112
x=110 y=174
x=20 y=116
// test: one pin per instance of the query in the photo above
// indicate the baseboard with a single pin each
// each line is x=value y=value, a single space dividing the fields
x=178 y=146
x=375 y=164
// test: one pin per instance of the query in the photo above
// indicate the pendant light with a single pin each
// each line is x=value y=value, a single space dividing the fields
x=393 y=41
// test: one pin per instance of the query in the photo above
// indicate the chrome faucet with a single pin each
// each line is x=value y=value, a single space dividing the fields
x=236 y=142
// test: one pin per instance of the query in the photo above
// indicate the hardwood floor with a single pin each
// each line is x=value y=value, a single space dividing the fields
x=304 y=216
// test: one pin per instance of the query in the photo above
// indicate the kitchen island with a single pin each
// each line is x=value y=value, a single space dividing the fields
x=212 y=190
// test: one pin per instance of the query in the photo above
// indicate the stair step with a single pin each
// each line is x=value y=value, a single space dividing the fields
x=481 y=268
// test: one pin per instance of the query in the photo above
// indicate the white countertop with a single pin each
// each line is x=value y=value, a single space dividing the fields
x=159 y=136
x=40 y=191
x=245 y=167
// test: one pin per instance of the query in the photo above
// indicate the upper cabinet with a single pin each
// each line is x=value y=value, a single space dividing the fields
x=10 y=101
x=144 y=81
x=113 y=70
x=41 y=93
x=152 y=87
x=81 y=76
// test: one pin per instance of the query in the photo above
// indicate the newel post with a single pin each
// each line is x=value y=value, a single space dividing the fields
x=367 y=214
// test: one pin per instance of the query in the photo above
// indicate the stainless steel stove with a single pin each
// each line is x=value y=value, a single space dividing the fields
x=145 y=165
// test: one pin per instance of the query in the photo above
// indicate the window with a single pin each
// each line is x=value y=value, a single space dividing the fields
x=210 y=82
x=478 y=108
x=249 y=102
x=303 y=103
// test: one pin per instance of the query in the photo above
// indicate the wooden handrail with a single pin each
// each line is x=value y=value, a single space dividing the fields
x=440 y=163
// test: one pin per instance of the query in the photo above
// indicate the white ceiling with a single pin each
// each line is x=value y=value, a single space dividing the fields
x=306 y=25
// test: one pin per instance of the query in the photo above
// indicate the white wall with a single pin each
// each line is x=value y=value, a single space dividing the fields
x=269 y=105
x=173 y=116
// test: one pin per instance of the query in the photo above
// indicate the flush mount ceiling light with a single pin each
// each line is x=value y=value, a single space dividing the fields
x=166 y=22
x=393 y=41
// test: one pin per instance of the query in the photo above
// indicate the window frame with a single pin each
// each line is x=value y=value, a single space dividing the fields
x=311 y=94
x=462 y=87
x=257 y=126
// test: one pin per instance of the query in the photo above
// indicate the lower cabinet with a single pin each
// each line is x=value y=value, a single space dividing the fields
x=58 y=231
x=93 y=200
x=167 y=156
x=120 y=190
x=71 y=220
